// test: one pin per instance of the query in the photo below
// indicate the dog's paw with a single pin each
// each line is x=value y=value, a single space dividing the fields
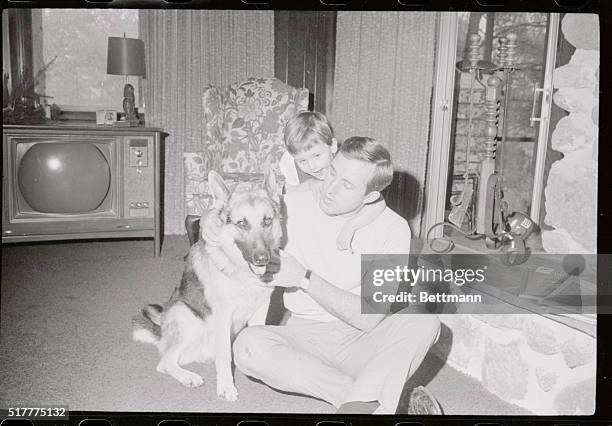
x=189 y=379
x=227 y=392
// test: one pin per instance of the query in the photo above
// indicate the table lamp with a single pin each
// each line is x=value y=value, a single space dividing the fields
x=126 y=57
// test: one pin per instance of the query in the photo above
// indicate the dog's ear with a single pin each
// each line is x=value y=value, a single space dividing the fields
x=271 y=186
x=218 y=188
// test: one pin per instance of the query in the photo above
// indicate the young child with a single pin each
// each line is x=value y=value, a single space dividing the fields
x=311 y=147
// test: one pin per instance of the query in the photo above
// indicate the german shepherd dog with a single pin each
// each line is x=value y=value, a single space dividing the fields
x=209 y=307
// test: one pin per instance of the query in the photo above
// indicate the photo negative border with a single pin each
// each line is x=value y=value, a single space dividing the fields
x=604 y=239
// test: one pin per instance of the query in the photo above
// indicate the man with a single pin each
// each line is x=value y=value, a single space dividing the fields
x=329 y=349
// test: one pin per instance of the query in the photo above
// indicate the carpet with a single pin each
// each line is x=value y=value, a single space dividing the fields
x=66 y=338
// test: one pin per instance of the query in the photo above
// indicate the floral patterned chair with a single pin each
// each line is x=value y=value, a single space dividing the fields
x=243 y=125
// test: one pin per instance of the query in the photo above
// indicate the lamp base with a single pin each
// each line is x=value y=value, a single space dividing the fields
x=131 y=113
x=136 y=121
x=123 y=121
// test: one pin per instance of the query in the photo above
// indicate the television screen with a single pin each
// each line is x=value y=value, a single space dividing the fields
x=67 y=178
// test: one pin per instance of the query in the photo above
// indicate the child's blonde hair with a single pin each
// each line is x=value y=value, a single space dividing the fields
x=305 y=129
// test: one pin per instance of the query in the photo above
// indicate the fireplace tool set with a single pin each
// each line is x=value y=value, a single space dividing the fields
x=501 y=230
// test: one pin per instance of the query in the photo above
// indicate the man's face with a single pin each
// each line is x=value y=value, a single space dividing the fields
x=344 y=188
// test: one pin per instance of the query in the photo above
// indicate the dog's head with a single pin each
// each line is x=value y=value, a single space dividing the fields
x=251 y=217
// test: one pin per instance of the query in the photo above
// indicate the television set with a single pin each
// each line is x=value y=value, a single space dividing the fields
x=79 y=182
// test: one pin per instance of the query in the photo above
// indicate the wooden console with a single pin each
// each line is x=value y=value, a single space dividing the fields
x=128 y=162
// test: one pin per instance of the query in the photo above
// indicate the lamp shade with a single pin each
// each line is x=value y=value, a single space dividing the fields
x=125 y=56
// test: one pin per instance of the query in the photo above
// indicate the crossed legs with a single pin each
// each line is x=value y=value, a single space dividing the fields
x=337 y=362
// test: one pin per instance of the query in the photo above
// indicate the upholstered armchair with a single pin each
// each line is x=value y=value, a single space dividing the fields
x=243 y=126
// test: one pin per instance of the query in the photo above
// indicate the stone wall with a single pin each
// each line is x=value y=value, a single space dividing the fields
x=571 y=189
x=525 y=359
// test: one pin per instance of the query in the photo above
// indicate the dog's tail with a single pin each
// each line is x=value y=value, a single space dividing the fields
x=146 y=325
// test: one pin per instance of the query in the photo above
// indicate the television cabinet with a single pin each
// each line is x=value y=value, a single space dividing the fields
x=82 y=182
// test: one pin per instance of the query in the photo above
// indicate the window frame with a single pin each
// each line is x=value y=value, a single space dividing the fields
x=440 y=141
x=25 y=37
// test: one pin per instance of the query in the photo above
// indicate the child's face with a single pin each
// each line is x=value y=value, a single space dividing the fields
x=316 y=160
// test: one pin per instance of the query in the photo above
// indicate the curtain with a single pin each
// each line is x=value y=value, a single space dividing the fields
x=383 y=86
x=186 y=50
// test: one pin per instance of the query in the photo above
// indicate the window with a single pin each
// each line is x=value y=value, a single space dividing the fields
x=78 y=38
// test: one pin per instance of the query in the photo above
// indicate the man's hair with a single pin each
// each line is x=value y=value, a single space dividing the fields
x=368 y=150
x=305 y=129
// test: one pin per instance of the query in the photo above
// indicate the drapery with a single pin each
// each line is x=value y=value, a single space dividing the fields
x=383 y=86
x=186 y=50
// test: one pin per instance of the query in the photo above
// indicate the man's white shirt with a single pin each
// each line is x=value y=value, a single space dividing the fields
x=311 y=239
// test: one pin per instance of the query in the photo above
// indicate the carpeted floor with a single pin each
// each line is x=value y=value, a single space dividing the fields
x=66 y=338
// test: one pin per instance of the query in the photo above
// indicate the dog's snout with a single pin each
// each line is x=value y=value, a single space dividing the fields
x=261 y=258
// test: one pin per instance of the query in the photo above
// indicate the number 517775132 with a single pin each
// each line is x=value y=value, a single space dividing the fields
x=36 y=412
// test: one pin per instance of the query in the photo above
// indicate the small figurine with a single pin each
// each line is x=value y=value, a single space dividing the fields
x=129 y=101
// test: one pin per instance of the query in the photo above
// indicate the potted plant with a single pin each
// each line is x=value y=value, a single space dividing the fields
x=21 y=103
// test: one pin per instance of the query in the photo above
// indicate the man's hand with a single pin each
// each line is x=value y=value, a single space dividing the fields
x=345 y=238
x=291 y=272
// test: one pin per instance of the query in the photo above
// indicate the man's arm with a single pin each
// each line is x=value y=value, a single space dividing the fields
x=346 y=305
x=342 y=304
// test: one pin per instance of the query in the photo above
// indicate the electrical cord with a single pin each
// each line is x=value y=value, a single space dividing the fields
x=450 y=243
